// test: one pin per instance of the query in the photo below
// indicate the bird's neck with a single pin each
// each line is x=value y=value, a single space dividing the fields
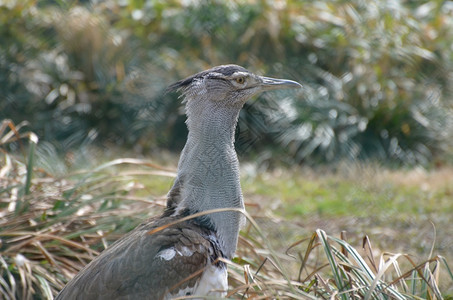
x=208 y=172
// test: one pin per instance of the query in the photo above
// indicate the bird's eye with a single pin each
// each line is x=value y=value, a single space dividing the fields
x=240 y=80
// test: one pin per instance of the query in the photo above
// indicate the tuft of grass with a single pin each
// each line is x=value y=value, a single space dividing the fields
x=331 y=268
x=50 y=227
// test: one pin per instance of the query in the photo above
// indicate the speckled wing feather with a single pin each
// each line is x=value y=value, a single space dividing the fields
x=145 y=266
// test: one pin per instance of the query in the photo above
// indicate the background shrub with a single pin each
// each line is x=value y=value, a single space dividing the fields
x=377 y=76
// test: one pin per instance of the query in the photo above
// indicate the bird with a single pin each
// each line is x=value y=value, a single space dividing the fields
x=183 y=252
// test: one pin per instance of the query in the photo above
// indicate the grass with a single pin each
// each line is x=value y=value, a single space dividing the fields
x=360 y=234
x=301 y=193
x=401 y=211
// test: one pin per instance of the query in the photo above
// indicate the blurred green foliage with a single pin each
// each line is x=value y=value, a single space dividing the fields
x=377 y=75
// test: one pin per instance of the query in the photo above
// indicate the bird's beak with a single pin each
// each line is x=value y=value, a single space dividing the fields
x=277 y=84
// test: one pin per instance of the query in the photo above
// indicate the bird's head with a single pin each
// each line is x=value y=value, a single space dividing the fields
x=229 y=85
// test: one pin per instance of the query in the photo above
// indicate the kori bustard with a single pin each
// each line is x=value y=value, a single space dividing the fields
x=183 y=259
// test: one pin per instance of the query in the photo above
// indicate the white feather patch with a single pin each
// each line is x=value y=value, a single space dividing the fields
x=167 y=254
x=213 y=282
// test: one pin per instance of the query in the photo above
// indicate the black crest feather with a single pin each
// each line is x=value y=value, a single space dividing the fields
x=225 y=70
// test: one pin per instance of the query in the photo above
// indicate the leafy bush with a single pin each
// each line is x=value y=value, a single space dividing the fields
x=377 y=75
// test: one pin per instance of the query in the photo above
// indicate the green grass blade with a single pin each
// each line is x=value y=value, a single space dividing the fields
x=45 y=287
x=336 y=269
x=447 y=266
x=364 y=274
x=8 y=285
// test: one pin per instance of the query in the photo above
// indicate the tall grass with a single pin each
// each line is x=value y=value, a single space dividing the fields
x=51 y=226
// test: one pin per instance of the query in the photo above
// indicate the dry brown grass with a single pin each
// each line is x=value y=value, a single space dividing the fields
x=52 y=226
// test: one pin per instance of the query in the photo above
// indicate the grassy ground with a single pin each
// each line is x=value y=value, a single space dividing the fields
x=359 y=232
x=400 y=211
x=413 y=206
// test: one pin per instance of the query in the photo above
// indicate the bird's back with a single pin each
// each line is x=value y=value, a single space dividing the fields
x=169 y=262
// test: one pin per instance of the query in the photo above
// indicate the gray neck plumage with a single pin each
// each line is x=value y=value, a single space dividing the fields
x=208 y=170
